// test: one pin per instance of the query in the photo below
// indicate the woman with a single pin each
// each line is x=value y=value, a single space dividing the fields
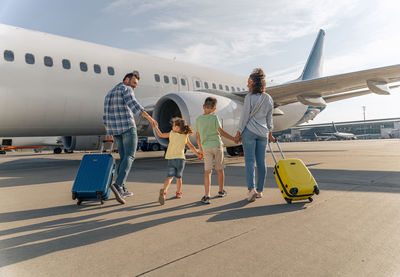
x=254 y=130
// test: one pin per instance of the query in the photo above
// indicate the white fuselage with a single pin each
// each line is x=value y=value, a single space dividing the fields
x=40 y=100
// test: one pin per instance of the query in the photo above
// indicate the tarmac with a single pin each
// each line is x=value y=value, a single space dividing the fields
x=352 y=228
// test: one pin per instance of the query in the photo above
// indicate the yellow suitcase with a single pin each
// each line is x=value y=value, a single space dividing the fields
x=294 y=179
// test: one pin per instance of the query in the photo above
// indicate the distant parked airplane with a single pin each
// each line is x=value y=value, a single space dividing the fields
x=337 y=134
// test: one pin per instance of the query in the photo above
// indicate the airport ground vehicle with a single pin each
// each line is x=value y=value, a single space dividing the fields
x=148 y=144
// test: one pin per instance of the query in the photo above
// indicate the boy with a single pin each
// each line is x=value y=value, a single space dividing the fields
x=208 y=134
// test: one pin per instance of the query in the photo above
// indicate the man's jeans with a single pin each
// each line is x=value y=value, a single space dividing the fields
x=127 y=144
x=254 y=148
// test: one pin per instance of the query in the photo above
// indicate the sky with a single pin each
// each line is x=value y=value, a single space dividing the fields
x=237 y=36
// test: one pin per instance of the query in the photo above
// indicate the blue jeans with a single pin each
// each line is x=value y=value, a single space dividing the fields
x=254 y=148
x=127 y=143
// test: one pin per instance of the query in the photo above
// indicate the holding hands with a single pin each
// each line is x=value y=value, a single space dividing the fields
x=238 y=137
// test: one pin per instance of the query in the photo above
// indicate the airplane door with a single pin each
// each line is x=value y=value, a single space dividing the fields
x=183 y=84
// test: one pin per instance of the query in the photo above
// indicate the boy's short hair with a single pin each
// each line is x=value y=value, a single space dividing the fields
x=210 y=102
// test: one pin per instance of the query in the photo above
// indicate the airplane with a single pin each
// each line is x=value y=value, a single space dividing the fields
x=36 y=143
x=55 y=86
x=339 y=135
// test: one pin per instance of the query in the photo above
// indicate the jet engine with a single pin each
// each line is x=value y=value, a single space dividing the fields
x=189 y=105
x=78 y=143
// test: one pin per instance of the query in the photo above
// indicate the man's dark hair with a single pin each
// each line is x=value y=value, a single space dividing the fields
x=132 y=74
x=210 y=102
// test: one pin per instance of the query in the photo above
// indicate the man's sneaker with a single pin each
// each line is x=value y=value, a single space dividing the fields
x=118 y=193
x=222 y=193
x=252 y=195
x=161 y=197
x=259 y=194
x=205 y=200
x=178 y=195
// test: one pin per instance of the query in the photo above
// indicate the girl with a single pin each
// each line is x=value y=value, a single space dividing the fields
x=178 y=138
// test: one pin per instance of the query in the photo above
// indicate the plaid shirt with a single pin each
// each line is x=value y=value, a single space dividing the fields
x=119 y=106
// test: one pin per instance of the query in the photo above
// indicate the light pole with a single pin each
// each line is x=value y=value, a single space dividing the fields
x=365 y=131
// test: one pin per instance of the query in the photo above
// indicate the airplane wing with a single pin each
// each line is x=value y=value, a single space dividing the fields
x=312 y=92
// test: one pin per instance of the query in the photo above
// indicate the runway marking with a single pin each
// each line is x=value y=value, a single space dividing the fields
x=194 y=253
x=7 y=178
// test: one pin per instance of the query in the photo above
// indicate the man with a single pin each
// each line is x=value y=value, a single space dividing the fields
x=120 y=105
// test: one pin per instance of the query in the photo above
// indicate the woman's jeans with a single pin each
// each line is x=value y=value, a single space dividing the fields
x=254 y=148
x=127 y=143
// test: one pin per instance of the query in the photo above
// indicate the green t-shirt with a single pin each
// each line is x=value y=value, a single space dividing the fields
x=207 y=126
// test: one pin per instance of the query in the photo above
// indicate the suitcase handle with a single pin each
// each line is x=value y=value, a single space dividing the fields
x=102 y=145
x=272 y=152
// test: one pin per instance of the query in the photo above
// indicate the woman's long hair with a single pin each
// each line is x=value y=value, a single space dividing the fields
x=183 y=127
x=258 y=78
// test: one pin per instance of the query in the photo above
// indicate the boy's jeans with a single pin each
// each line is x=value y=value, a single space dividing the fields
x=127 y=144
x=254 y=148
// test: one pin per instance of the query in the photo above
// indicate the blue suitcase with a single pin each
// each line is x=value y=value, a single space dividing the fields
x=94 y=177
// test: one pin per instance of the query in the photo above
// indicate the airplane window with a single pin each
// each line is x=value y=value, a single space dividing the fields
x=83 y=66
x=29 y=58
x=205 y=84
x=233 y=89
x=166 y=79
x=226 y=88
x=9 y=55
x=243 y=89
x=48 y=61
x=197 y=84
x=157 y=77
x=174 y=80
x=221 y=87
x=110 y=70
x=183 y=82
x=238 y=89
x=66 y=64
x=97 y=68
x=214 y=86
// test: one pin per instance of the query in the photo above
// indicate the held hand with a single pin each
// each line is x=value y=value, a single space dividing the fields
x=238 y=137
x=271 y=138
x=200 y=156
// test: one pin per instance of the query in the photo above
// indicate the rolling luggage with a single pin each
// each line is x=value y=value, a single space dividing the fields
x=94 y=177
x=294 y=179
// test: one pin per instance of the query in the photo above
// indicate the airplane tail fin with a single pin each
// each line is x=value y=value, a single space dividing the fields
x=313 y=67
x=334 y=127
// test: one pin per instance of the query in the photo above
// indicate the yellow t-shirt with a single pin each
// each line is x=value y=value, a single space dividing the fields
x=176 y=146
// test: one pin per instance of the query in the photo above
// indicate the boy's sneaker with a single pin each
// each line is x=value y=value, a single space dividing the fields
x=118 y=193
x=125 y=192
x=222 y=193
x=161 y=197
x=252 y=196
x=205 y=200
x=259 y=194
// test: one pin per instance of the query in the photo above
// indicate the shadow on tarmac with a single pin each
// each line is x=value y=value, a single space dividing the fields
x=67 y=233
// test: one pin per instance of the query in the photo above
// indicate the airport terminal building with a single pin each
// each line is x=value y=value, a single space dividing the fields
x=363 y=129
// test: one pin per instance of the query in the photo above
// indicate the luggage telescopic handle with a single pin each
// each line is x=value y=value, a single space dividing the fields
x=272 y=152
x=102 y=145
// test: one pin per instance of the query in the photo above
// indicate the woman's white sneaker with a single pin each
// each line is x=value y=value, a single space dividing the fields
x=252 y=195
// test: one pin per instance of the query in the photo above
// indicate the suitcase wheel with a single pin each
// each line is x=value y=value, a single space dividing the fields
x=316 y=190
x=310 y=199
x=289 y=201
x=79 y=202
x=74 y=195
